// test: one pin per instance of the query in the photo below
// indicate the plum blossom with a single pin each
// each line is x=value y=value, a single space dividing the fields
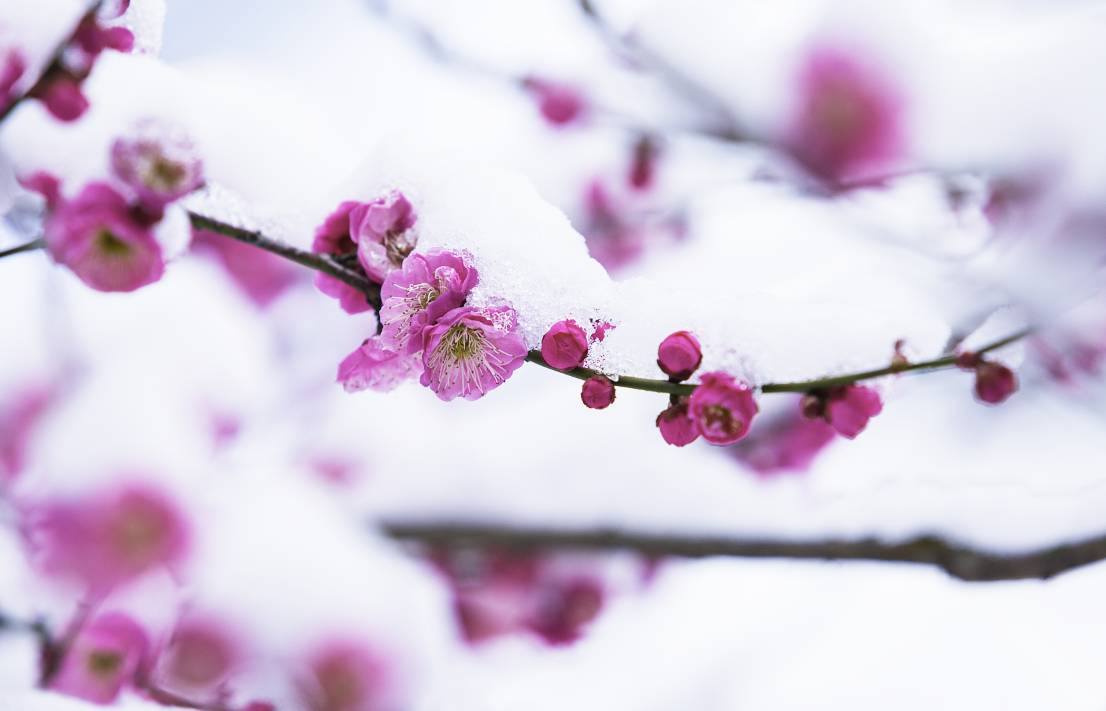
x=11 y=71
x=63 y=98
x=102 y=659
x=564 y=607
x=994 y=382
x=382 y=229
x=346 y=675
x=333 y=237
x=418 y=295
x=19 y=416
x=679 y=355
x=377 y=366
x=158 y=162
x=676 y=424
x=564 y=346
x=848 y=121
x=98 y=236
x=849 y=408
x=722 y=408
x=471 y=351
x=107 y=539
x=788 y=443
x=560 y=104
x=262 y=276
x=201 y=653
x=597 y=392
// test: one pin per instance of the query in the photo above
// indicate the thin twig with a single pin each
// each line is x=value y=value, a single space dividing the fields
x=961 y=561
x=19 y=249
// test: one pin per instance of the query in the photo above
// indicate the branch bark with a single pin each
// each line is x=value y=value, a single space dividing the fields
x=961 y=561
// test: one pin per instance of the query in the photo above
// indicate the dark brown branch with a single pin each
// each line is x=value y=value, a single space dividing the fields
x=961 y=561
x=19 y=249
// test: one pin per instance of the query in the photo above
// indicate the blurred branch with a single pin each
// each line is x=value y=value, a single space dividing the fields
x=959 y=561
x=19 y=249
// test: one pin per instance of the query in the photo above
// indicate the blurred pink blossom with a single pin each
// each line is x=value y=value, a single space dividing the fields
x=102 y=659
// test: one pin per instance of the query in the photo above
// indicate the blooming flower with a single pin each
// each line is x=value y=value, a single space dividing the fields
x=200 y=655
x=108 y=539
x=158 y=162
x=420 y=293
x=347 y=676
x=676 y=425
x=102 y=659
x=679 y=355
x=382 y=230
x=98 y=236
x=722 y=408
x=564 y=346
x=333 y=237
x=376 y=365
x=848 y=119
x=470 y=351
x=597 y=392
x=850 y=407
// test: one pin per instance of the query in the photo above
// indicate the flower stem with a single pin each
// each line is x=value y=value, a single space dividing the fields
x=19 y=249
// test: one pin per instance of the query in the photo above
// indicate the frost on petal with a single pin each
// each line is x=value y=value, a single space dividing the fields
x=102 y=659
x=468 y=353
x=158 y=162
x=97 y=235
x=722 y=408
x=376 y=366
x=418 y=295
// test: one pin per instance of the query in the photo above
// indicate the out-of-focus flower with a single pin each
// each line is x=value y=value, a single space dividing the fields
x=994 y=382
x=612 y=239
x=676 y=425
x=262 y=276
x=376 y=365
x=19 y=415
x=849 y=408
x=470 y=351
x=200 y=655
x=63 y=98
x=347 y=676
x=564 y=346
x=98 y=236
x=788 y=443
x=418 y=295
x=722 y=408
x=559 y=103
x=102 y=659
x=11 y=71
x=383 y=232
x=597 y=392
x=643 y=163
x=564 y=607
x=847 y=125
x=158 y=162
x=108 y=539
x=679 y=355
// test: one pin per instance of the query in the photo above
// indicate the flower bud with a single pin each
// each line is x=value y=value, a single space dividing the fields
x=679 y=355
x=564 y=345
x=994 y=382
x=598 y=392
x=676 y=426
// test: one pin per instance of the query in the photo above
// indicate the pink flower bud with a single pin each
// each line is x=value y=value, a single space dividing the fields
x=849 y=408
x=722 y=408
x=564 y=608
x=62 y=97
x=676 y=426
x=994 y=382
x=598 y=392
x=10 y=72
x=679 y=355
x=564 y=346
x=102 y=659
x=560 y=104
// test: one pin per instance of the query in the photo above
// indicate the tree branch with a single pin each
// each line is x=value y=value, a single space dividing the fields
x=19 y=249
x=958 y=560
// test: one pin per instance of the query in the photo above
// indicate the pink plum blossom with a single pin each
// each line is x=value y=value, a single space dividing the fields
x=601 y=330
x=471 y=351
x=107 y=539
x=19 y=416
x=994 y=382
x=98 y=236
x=418 y=295
x=383 y=232
x=559 y=103
x=333 y=238
x=158 y=162
x=347 y=675
x=849 y=408
x=676 y=425
x=564 y=346
x=612 y=240
x=848 y=121
x=597 y=392
x=11 y=70
x=722 y=408
x=679 y=355
x=201 y=653
x=262 y=276
x=787 y=443
x=62 y=97
x=564 y=607
x=102 y=659
x=377 y=366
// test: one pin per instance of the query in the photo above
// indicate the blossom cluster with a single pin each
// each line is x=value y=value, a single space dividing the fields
x=428 y=329
x=106 y=233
